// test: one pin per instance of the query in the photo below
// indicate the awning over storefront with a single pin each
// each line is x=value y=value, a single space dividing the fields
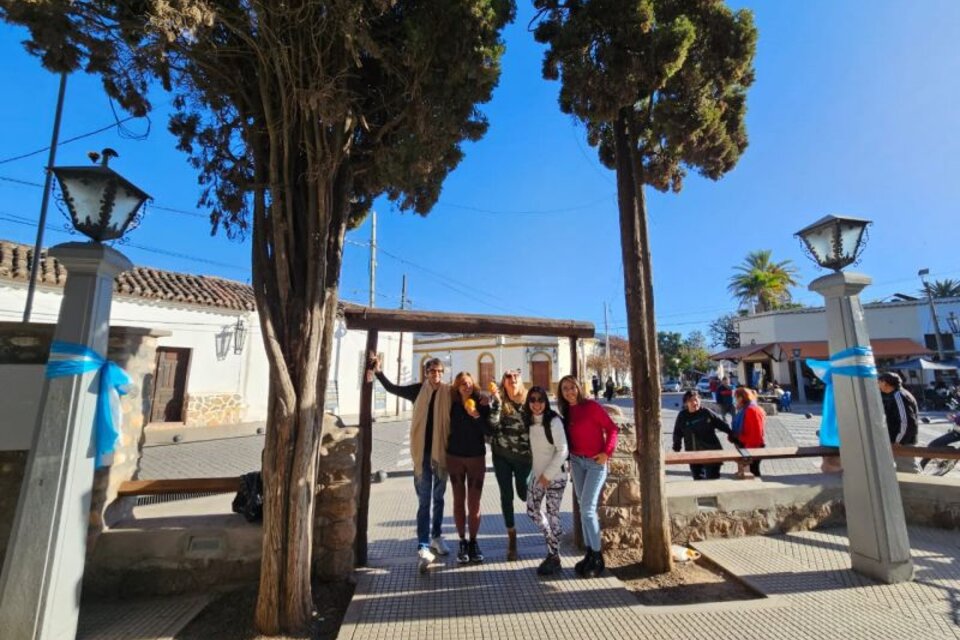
x=820 y=350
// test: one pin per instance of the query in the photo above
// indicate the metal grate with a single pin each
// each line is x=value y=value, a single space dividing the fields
x=143 y=501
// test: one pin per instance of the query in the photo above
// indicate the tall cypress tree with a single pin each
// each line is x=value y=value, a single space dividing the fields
x=661 y=87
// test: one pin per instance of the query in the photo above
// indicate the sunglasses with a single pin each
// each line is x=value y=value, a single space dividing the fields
x=537 y=399
x=512 y=376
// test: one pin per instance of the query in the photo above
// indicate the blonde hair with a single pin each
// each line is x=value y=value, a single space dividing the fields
x=508 y=409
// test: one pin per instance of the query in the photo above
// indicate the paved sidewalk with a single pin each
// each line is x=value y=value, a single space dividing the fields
x=811 y=591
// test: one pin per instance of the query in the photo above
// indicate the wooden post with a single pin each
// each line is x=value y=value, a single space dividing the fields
x=366 y=435
x=577 y=528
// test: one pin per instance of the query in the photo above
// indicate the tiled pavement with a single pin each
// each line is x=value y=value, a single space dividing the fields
x=158 y=618
x=811 y=591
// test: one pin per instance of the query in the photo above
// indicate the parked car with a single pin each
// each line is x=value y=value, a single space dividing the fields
x=703 y=386
x=671 y=386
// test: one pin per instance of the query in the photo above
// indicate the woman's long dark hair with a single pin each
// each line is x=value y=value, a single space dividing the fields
x=548 y=413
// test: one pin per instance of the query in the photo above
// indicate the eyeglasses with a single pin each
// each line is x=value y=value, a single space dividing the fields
x=434 y=370
x=537 y=400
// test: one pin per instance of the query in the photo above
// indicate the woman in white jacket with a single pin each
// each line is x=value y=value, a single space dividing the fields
x=548 y=443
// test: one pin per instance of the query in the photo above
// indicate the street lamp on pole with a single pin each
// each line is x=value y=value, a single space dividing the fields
x=876 y=527
x=45 y=557
x=933 y=312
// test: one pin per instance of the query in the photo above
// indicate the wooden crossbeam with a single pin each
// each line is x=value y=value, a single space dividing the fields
x=180 y=485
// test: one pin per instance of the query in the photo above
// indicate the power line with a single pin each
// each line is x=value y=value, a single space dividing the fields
x=116 y=123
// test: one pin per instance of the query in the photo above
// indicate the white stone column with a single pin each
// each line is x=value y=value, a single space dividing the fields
x=43 y=570
x=877 y=529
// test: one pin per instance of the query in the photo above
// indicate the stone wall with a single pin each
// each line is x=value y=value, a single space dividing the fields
x=338 y=489
x=134 y=349
x=619 y=509
x=213 y=409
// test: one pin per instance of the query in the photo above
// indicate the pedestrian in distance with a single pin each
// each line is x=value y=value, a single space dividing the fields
x=429 y=431
x=696 y=430
x=724 y=397
x=609 y=390
x=748 y=428
x=592 y=439
x=595 y=385
x=511 y=449
x=466 y=462
x=548 y=443
x=901 y=412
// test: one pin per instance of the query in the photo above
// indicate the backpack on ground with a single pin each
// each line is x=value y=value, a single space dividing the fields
x=249 y=499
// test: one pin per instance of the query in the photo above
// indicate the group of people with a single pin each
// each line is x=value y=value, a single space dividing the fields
x=609 y=388
x=534 y=448
x=696 y=428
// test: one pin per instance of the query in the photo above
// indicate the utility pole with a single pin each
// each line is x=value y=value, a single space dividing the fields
x=373 y=258
x=606 y=334
x=403 y=305
x=933 y=313
x=51 y=159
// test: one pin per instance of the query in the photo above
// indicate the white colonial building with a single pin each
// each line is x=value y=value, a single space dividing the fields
x=772 y=342
x=211 y=368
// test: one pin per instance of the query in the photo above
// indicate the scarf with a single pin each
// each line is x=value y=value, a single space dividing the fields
x=737 y=425
x=441 y=426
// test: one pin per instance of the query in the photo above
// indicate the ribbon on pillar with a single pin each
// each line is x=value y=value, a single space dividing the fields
x=855 y=362
x=71 y=359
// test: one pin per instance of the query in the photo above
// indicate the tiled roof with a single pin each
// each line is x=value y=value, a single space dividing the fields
x=139 y=282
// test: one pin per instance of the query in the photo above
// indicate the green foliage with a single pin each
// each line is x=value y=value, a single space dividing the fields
x=948 y=288
x=723 y=331
x=762 y=281
x=681 y=68
x=385 y=91
x=678 y=354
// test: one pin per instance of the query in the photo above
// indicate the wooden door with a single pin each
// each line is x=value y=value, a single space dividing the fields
x=486 y=374
x=170 y=385
x=540 y=374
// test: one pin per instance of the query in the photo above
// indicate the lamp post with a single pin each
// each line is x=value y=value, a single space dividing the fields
x=877 y=530
x=44 y=564
x=933 y=312
x=798 y=365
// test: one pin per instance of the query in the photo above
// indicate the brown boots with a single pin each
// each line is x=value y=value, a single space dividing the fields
x=511 y=544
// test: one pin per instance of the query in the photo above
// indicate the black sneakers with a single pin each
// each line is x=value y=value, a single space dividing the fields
x=549 y=566
x=463 y=553
x=581 y=566
x=473 y=551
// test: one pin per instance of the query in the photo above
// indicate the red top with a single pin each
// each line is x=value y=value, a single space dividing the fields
x=751 y=436
x=591 y=430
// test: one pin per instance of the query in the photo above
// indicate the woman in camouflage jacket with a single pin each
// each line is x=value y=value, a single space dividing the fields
x=512 y=460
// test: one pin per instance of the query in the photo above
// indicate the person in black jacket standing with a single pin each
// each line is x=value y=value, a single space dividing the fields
x=696 y=430
x=900 y=409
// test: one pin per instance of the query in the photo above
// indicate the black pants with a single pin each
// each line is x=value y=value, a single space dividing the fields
x=705 y=471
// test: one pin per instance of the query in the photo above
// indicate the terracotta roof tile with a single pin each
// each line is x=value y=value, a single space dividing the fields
x=139 y=282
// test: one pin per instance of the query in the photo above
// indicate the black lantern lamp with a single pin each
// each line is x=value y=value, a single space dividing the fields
x=102 y=203
x=239 y=336
x=835 y=242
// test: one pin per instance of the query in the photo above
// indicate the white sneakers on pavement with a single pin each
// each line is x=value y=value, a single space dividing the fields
x=425 y=557
x=439 y=547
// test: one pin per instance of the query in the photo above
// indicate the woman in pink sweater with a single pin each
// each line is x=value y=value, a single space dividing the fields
x=593 y=438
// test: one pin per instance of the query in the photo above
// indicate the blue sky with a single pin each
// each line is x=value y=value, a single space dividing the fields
x=855 y=110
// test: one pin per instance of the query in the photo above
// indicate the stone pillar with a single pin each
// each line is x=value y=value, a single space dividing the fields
x=338 y=490
x=619 y=510
x=43 y=569
x=879 y=546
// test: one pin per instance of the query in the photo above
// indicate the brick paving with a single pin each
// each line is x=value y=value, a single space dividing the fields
x=811 y=592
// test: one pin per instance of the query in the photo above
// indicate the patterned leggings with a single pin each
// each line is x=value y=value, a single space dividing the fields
x=549 y=522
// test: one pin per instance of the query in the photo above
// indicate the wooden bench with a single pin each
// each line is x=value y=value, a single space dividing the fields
x=179 y=485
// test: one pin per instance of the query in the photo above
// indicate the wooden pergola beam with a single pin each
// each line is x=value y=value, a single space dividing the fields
x=385 y=320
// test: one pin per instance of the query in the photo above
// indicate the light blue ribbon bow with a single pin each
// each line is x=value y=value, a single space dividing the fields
x=69 y=359
x=855 y=362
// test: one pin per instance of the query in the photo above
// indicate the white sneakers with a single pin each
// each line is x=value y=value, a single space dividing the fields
x=439 y=547
x=425 y=557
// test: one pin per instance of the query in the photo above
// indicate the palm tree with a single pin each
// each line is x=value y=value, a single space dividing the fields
x=762 y=281
x=943 y=289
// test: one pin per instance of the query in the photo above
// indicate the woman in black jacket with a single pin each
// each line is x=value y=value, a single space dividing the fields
x=696 y=429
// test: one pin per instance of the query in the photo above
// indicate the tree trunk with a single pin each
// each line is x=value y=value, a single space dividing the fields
x=644 y=359
x=298 y=231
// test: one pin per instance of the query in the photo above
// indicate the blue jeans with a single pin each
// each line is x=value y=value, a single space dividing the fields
x=431 y=485
x=588 y=478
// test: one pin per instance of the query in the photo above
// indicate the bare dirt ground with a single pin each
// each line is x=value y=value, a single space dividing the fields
x=693 y=582
x=231 y=615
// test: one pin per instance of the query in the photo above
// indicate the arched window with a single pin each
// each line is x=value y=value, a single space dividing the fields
x=541 y=370
x=486 y=369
